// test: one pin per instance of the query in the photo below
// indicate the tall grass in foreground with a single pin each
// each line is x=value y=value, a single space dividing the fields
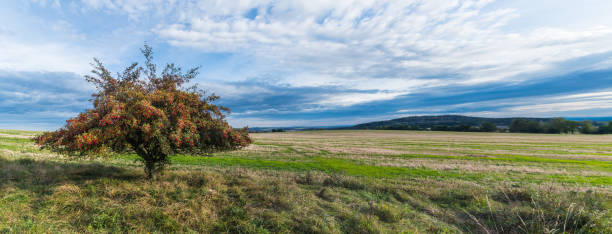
x=38 y=195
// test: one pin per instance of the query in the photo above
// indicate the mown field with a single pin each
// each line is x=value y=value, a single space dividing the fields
x=321 y=182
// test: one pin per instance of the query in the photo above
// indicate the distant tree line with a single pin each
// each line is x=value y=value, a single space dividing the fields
x=484 y=127
x=559 y=125
x=520 y=125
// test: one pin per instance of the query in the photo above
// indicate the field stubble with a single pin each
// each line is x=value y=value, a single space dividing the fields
x=321 y=182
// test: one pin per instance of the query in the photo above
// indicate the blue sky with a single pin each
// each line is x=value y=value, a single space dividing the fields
x=318 y=62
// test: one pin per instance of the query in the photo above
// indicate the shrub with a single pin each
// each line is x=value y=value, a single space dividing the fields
x=149 y=113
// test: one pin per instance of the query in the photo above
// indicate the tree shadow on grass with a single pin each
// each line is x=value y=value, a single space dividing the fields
x=41 y=176
x=69 y=196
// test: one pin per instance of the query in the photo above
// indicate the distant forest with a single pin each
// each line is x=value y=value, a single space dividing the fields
x=478 y=124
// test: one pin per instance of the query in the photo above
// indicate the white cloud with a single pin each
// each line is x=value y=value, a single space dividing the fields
x=352 y=43
x=353 y=51
x=42 y=43
x=51 y=57
x=349 y=99
x=392 y=39
x=570 y=105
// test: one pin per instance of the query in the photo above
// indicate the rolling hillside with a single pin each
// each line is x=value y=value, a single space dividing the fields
x=423 y=122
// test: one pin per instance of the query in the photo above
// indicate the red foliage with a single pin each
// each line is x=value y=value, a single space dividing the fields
x=153 y=116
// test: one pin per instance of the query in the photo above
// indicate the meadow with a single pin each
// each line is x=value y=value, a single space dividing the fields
x=355 y=181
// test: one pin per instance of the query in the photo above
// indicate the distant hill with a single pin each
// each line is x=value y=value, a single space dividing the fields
x=423 y=122
x=429 y=122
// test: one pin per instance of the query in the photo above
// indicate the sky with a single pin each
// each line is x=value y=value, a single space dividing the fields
x=317 y=62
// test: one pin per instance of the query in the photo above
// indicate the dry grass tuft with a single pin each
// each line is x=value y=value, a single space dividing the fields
x=42 y=192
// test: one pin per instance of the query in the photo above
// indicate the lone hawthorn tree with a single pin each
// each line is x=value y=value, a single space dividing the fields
x=148 y=113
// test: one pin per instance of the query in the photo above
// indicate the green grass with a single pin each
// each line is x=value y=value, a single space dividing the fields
x=19 y=132
x=356 y=168
x=318 y=182
x=4 y=139
x=347 y=167
x=603 y=165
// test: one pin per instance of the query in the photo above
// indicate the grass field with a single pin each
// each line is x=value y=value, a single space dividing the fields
x=321 y=182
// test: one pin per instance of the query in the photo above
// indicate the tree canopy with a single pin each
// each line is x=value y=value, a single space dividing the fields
x=488 y=127
x=149 y=113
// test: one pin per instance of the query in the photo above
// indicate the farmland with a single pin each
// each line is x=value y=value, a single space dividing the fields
x=321 y=182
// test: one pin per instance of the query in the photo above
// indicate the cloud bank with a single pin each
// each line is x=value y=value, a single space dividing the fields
x=335 y=62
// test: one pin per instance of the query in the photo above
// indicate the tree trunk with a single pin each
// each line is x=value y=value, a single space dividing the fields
x=154 y=160
x=154 y=166
x=149 y=161
x=149 y=169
